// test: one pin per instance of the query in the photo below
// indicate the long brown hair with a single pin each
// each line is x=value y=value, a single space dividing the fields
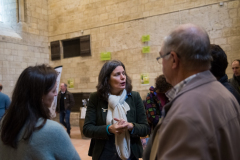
x=26 y=107
x=103 y=87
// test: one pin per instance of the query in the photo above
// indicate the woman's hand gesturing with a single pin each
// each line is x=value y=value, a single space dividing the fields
x=119 y=127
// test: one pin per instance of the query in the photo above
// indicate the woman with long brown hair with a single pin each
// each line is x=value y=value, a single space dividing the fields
x=115 y=118
x=26 y=131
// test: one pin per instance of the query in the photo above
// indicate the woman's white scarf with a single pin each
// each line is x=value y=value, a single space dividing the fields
x=117 y=108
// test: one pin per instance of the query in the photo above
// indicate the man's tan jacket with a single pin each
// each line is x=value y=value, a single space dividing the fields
x=202 y=123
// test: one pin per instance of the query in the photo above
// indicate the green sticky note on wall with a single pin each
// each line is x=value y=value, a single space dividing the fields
x=144 y=78
x=146 y=49
x=146 y=38
x=104 y=56
x=70 y=83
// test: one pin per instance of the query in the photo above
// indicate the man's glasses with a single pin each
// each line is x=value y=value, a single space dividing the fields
x=158 y=58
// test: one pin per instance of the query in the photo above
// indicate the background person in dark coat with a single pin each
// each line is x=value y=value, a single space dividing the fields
x=65 y=102
x=114 y=81
x=235 y=81
x=218 y=68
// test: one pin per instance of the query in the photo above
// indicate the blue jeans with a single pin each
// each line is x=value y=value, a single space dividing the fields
x=65 y=119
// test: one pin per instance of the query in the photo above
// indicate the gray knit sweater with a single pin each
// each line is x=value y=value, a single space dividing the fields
x=49 y=143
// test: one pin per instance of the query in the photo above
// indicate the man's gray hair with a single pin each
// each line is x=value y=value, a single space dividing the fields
x=192 y=45
x=65 y=85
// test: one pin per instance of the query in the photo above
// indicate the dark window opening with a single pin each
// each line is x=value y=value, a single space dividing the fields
x=55 y=50
x=85 y=48
x=71 y=48
x=77 y=47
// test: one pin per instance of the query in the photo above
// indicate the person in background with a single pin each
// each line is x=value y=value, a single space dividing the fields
x=235 y=81
x=26 y=129
x=218 y=67
x=201 y=121
x=4 y=102
x=65 y=102
x=155 y=101
x=115 y=118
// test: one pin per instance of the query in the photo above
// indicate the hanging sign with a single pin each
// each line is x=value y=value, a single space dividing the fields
x=54 y=103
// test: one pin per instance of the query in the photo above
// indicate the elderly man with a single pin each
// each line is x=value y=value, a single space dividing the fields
x=235 y=81
x=4 y=102
x=201 y=121
x=65 y=102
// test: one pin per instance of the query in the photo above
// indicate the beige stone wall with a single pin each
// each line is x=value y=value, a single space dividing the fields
x=17 y=54
x=122 y=36
x=73 y=15
x=115 y=26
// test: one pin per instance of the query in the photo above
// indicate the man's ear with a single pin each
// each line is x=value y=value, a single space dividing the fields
x=175 y=60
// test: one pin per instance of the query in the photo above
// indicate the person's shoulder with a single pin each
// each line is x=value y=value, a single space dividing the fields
x=228 y=86
x=56 y=130
x=67 y=92
x=94 y=95
x=233 y=91
x=230 y=80
x=134 y=94
x=51 y=139
x=50 y=131
x=206 y=95
x=50 y=127
x=54 y=125
x=4 y=95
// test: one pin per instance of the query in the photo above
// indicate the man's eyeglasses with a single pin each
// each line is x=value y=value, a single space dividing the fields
x=158 y=58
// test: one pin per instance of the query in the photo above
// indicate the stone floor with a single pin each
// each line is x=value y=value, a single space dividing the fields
x=81 y=145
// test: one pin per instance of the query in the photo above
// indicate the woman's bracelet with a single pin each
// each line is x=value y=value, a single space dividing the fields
x=107 y=130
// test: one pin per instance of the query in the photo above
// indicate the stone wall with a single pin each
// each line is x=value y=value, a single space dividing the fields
x=71 y=15
x=32 y=48
x=117 y=27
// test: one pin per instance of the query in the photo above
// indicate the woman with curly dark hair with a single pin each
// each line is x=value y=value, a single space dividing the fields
x=26 y=131
x=155 y=100
x=115 y=118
